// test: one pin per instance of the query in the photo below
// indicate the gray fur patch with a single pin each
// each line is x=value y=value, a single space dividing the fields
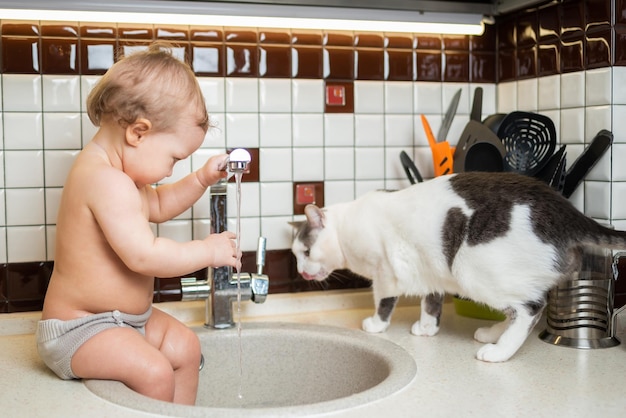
x=307 y=235
x=454 y=233
x=385 y=308
x=555 y=220
x=433 y=305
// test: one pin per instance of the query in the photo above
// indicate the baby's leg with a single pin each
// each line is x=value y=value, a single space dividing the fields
x=123 y=354
x=428 y=325
x=181 y=348
x=157 y=365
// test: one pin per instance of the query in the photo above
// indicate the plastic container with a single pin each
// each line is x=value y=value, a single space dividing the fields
x=471 y=309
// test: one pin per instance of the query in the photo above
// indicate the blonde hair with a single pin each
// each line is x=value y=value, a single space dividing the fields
x=151 y=83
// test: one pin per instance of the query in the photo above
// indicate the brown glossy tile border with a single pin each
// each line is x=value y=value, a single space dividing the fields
x=370 y=63
x=307 y=61
x=456 y=66
x=555 y=37
x=262 y=52
x=560 y=36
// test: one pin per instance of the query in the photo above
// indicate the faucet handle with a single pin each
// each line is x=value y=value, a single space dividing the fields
x=260 y=255
x=259 y=282
x=259 y=287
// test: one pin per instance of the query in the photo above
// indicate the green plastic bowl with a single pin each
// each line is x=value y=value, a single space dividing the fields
x=471 y=309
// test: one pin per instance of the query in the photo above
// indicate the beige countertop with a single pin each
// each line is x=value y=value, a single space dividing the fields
x=540 y=380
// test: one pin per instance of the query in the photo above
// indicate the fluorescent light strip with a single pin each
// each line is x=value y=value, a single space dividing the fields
x=252 y=21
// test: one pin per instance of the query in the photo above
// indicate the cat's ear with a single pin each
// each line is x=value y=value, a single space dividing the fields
x=296 y=224
x=315 y=216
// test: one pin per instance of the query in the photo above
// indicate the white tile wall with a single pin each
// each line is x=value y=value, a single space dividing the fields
x=275 y=96
x=549 y=93
x=399 y=97
x=62 y=130
x=242 y=130
x=21 y=93
x=338 y=130
x=527 y=93
x=308 y=130
x=44 y=125
x=275 y=130
x=61 y=93
x=369 y=97
x=339 y=163
x=277 y=164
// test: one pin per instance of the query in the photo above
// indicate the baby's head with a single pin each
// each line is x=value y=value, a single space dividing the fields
x=151 y=84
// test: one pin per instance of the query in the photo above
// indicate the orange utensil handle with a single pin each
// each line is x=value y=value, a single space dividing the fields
x=442 y=151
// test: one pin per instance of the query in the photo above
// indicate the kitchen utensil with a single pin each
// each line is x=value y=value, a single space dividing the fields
x=529 y=139
x=479 y=149
x=442 y=134
x=441 y=149
x=553 y=173
x=442 y=152
x=585 y=162
x=410 y=169
x=494 y=121
x=580 y=313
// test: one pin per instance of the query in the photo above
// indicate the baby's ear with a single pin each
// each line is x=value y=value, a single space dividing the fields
x=136 y=131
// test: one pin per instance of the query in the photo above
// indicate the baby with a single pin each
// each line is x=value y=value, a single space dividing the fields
x=97 y=319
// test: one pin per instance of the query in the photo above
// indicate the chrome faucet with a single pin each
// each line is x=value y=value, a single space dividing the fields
x=221 y=288
x=223 y=281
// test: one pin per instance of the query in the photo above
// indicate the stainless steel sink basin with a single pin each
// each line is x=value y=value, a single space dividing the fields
x=288 y=369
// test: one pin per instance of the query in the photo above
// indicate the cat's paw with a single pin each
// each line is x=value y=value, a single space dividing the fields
x=373 y=324
x=486 y=335
x=424 y=328
x=490 y=334
x=493 y=353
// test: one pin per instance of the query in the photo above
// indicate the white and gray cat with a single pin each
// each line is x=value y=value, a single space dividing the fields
x=501 y=239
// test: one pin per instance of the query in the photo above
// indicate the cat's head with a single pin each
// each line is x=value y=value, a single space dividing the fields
x=316 y=245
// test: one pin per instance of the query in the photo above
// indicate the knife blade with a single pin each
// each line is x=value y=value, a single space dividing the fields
x=442 y=133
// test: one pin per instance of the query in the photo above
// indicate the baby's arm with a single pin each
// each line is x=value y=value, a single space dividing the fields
x=170 y=200
x=122 y=214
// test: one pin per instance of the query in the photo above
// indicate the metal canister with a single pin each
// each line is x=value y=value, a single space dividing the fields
x=579 y=312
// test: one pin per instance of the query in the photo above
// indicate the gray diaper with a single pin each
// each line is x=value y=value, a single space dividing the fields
x=57 y=340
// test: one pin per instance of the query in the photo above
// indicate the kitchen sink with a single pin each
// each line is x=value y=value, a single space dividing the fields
x=287 y=369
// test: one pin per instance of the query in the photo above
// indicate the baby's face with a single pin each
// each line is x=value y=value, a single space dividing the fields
x=155 y=157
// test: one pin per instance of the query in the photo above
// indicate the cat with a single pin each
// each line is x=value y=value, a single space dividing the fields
x=501 y=239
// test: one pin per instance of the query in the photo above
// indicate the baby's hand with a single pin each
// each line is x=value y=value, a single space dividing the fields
x=213 y=170
x=224 y=250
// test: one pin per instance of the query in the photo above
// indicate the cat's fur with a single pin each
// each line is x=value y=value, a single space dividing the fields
x=501 y=239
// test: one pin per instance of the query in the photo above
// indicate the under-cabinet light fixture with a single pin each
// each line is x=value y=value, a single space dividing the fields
x=208 y=13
